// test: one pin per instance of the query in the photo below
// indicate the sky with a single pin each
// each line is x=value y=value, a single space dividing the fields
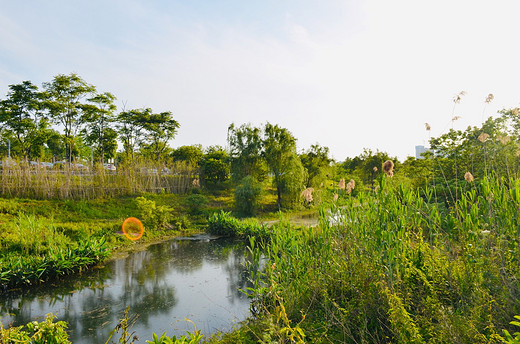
x=350 y=75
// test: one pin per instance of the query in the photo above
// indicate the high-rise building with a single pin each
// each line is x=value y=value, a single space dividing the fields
x=419 y=150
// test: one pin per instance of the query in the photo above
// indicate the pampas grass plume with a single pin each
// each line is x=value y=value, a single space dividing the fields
x=483 y=137
x=388 y=167
x=307 y=194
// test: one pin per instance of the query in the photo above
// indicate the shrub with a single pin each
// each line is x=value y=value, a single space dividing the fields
x=152 y=215
x=46 y=331
x=180 y=223
x=246 y=196
x=222 y=223
x=196 y=203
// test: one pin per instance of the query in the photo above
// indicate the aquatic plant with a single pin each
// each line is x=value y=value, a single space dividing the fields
x=45 y=332
x=20 y=270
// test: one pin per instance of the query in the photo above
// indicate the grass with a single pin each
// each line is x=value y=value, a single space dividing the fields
x=395 y=268
x=45 y=239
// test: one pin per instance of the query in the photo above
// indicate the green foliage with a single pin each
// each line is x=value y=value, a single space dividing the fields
x=394 y=266
x=196 y=203
x=153 y=216
x=291 y=183
x=246 y=196
x=367 y=167
x=158 y=129
x=214 y=166
x=22 y=119
x=8 y=206
x=189 y=154
x=222 y=223
x=190 y=338
x=509 y=338
x=181 y=223
x=45 y=332
x=64 y=99
x=284 y=164
x=316 y=162
x=246 y=144
x=20 y=270
x=124 y=325
x=98 y=131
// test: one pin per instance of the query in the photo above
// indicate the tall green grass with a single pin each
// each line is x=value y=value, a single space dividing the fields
x=394 y=266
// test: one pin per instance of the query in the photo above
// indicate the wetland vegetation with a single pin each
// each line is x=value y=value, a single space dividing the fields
x=426 y=250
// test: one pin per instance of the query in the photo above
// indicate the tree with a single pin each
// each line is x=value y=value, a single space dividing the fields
x=64 y=100
x=488 y=150
x=130 y=130
x=21 y=115
x=214 y=165
x=245 y=145
x=158 y=129
x=99 y=133
x=317 y=162
x=284 y=164
x=192 y=155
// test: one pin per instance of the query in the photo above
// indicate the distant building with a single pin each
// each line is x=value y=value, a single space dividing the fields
x=419 y=150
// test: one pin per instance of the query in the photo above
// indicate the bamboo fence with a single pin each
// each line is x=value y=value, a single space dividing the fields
x=70 y=182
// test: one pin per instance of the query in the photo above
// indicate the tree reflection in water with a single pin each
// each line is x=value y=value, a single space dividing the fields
x=163 y=285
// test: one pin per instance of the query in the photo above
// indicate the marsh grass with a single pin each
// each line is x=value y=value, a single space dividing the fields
x=397 y=267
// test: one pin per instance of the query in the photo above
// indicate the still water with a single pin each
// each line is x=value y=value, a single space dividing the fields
x=194 y=278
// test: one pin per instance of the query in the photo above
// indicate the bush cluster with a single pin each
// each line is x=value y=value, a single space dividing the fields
x=223 y=224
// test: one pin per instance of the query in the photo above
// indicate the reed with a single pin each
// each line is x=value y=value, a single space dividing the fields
x=396 y=267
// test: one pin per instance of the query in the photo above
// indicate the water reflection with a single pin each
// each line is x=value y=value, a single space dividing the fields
x=168 y=282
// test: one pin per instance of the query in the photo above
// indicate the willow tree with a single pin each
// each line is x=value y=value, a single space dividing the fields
x=245 y=146
x=284 y=164
x=317 y=162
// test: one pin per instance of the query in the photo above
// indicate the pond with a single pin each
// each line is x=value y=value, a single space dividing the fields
x=194 y=278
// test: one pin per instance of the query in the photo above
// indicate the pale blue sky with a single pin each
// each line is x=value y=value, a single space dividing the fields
x=345 y=74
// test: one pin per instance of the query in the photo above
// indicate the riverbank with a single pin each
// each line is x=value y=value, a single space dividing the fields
x=43 y=240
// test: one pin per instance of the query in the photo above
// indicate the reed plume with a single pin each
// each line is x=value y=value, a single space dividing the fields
x=469 y=177
x=504 y=139
x=350 y=186
x=307 y=194
x=388 y=167
x=457 y=98
x=483 y=137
